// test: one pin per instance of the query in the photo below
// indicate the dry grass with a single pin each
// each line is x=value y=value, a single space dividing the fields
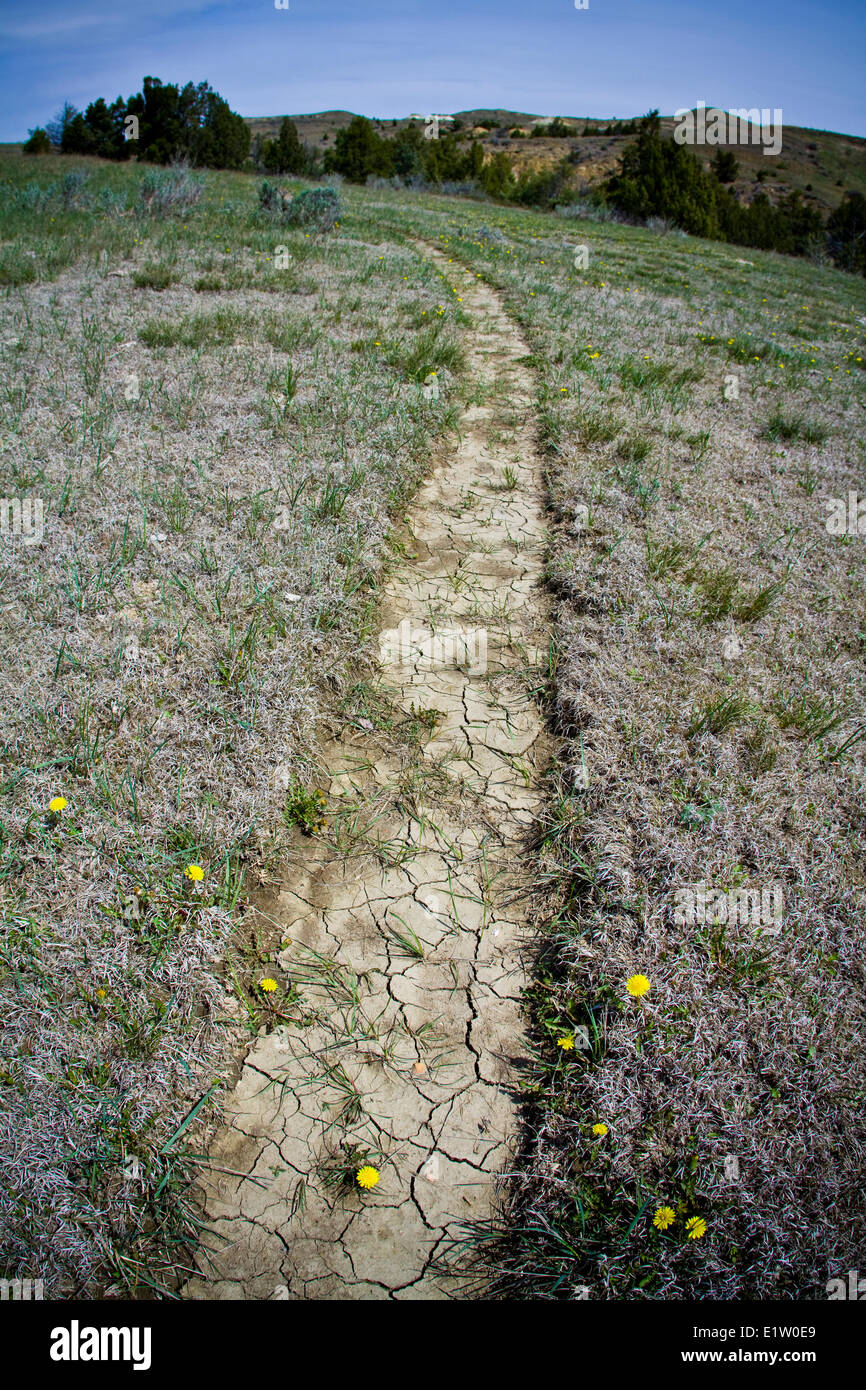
x=217 y=469
x=706 y=682
x=709 y=693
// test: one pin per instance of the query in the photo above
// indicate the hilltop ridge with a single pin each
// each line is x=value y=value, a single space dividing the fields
x=820 y=165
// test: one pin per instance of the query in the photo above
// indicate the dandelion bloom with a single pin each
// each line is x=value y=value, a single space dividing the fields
x=101 y=993
x=566 y=1043
x=663 y=1218
x=195 y=872
x=58 y=803
x=637 y=985
x=696 y=1227
x=367 y=1176
x=268 y=985
x=601 y=1130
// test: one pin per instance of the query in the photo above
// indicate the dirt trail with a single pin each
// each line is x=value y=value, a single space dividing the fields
x=410 y=1046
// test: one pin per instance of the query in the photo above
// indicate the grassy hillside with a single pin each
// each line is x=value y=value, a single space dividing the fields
x=222 y=435
x=821 y=165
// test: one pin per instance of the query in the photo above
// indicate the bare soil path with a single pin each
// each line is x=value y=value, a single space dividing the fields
x=408 y=949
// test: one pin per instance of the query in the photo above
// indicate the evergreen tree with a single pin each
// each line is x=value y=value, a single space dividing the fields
x=358 y=152
x=220 y=138
x=38 y=142
x=192 y=123
x=659 y=178
x=77 y=137
x=408 y=150
x=846 y=233
x=725 y=166
x=476 y=160
x=163 y=135
x=292 y=155
x=497 y=176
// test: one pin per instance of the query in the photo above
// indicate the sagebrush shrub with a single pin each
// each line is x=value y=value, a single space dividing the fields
x=74 y=192
x=315 y=207
x=270 y=197
x=167 y=191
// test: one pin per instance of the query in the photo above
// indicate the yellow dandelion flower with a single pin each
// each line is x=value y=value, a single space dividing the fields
x=101 y=993
x=637 y=985
x=194 y=872
x=663 y=1218
x=268 y=984
x=57 y=803
x=367 y=1177
x=566 y=1043
x=696 y=1227
x=600 y=1130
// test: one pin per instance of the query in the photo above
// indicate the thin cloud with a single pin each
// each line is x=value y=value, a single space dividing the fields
x=57 y=21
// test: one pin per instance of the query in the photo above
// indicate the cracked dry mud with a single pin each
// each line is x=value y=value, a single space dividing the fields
x=410 y=1057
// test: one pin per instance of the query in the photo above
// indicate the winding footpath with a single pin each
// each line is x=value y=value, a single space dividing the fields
x=408 y=949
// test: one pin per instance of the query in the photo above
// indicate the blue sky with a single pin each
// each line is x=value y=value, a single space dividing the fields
x=391 y=57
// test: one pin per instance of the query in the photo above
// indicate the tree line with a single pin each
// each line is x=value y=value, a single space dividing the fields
x=163 y=123
x=659 y=178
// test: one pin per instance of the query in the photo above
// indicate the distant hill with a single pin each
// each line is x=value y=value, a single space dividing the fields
x=819 y=164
